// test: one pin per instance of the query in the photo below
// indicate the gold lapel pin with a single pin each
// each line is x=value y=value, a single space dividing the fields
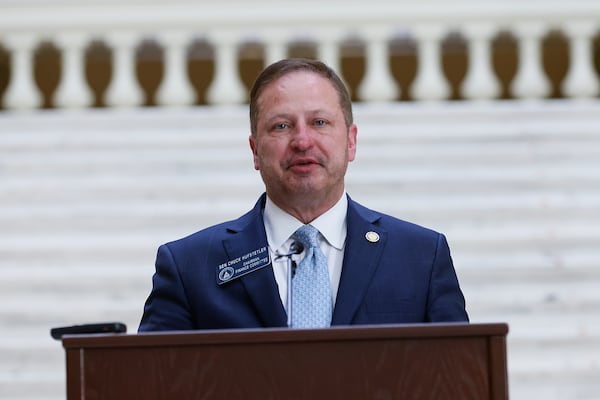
x=372 y=237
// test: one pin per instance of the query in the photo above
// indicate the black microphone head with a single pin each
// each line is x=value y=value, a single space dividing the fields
x=296 y=248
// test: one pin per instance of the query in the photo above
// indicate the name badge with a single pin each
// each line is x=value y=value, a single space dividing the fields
x=243 y=265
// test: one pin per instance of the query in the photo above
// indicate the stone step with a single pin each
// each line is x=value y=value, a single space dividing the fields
x=554 y=369
x=509 y=178
x=521 y=296
x=395 y=123
x=183 y=149
x=511 y=233
x=548 y=208
x=540 y=258
x=175 y=150
x=84 y=298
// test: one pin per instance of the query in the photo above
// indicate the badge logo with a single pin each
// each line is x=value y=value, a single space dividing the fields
x=226 y=274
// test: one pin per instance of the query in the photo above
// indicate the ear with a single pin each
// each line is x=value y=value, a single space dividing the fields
x=352 y=132
x=254 y=151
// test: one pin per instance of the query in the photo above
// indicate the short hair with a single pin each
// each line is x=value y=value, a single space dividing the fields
x=289 y=65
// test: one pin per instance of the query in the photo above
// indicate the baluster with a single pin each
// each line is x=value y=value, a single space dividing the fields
x=21 y=92
x=227 y=86
x=73 y=90
x=275 y=48
x=378 y=83
x=124 y=90
x=328 y=52
x=581 y=79
x=480 y=81
x=430 y=83
x=531 y=81
x=175 y=88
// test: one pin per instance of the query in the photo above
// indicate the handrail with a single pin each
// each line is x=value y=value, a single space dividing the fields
x=73 y=25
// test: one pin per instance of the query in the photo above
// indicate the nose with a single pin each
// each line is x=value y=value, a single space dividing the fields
x=302 y=137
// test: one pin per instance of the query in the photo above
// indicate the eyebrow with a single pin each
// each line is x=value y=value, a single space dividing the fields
x=279 y=115
x=328 y=114
x=276 y=117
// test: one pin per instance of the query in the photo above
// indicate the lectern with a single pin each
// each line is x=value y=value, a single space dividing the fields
x=423 y=361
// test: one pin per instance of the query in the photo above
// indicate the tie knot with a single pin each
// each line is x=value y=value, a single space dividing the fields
x=307 y=234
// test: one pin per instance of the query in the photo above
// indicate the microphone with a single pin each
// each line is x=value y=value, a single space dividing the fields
x=295 y=248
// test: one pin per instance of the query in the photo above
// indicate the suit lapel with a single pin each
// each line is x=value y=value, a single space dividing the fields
x=361 y=258
x=247 y=236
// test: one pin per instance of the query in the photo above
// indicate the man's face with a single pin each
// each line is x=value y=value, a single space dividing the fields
x=302 y=145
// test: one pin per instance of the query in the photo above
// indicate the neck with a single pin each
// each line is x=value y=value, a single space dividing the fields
x=306 y=208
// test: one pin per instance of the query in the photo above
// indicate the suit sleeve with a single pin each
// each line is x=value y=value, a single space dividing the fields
x=167 y=306
x=445 y=302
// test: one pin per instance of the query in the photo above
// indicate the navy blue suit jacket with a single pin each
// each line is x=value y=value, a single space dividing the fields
x=405 y=277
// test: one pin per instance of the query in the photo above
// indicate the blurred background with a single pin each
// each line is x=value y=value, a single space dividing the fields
x=123 y=125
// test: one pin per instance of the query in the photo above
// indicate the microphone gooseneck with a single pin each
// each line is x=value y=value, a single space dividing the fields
x=295 y=248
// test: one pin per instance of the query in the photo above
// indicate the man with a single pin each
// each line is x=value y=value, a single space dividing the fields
x=375 y=269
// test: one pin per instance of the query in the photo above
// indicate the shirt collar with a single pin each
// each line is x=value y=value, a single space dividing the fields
x=280 y=225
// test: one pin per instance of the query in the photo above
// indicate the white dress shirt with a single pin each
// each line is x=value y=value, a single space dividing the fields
x=280 y=226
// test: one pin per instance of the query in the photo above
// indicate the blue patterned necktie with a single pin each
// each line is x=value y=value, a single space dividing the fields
x=312 y=303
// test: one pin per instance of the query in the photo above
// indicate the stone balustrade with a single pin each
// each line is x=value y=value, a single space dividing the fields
x=328 y=26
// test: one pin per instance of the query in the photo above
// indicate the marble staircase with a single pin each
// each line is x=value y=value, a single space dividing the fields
x=86 y=197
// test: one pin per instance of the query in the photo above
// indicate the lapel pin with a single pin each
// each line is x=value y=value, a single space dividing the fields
x=372 y=237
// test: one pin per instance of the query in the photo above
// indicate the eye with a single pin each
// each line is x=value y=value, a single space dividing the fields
x=320 y=122
x=281 y=126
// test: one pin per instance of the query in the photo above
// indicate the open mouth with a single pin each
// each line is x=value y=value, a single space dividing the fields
x=303 y=161
x=303 y=165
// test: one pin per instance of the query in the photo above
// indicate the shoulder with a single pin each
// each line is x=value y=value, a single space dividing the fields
x=220 y=231
x=389 y=223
